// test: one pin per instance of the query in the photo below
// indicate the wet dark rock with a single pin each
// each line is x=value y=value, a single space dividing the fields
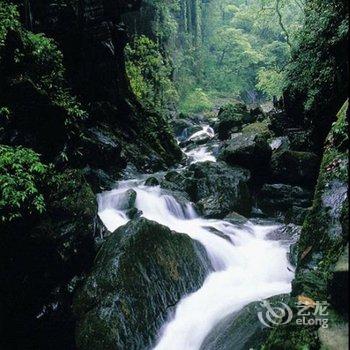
x=297 y=215
x=179 y=125
x=286 y=233
x=242 y=330
x=216 y=188
x=323 y=240
x=275 y=199
x=250 y=151
x=235 y=218
x=102 y=149
x=298 y=168
x=152 y=182
x=231 y=119
x=300 y=140
x=139 y=275
x=220 y=189
x=280 y=123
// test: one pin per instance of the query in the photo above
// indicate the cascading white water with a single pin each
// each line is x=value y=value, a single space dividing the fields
x=201 y=153
x=247 y=266
x=206 y=131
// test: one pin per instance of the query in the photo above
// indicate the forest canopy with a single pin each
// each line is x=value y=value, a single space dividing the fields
x=224 y=49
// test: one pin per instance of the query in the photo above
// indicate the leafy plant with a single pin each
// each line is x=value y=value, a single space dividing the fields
x=8 y=19
x=196 y=102
x=20 y=175
x=149 y=73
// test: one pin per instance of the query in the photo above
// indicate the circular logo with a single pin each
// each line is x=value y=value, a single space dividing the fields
x=275 y=315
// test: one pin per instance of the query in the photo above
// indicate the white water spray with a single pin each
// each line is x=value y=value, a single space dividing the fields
x=247 y=266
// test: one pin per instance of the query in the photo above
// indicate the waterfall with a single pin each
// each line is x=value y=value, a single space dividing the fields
x=247 y=267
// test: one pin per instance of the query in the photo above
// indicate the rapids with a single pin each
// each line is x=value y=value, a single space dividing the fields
x=246 y=265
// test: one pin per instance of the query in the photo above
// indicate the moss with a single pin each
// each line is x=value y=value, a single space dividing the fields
x=323 y=238
x=140 y=272
x=260 y=128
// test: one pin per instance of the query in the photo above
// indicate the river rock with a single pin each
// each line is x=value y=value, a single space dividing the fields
x=297 y=168
x=231 y=119
x=140 y=273
x=241 y=330
x=179 y=125
x=220 y=189
x=249 y=150
x=216 y=188
x=260 y=128
x=280 y=198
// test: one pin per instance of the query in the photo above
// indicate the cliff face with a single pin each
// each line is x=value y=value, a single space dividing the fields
x=92 y=41
x=64 y=94
x=318 y=75
x=322 y=269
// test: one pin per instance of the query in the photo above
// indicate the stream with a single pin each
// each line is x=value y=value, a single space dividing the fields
x=247 y=266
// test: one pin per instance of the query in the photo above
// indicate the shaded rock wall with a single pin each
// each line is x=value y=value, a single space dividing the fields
x=139 y=275
x=320 y=274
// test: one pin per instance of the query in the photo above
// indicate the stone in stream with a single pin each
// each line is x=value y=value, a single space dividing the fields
x=140 y=273
x=241 y=330
x=231 y=119
x=216 y=188
x=290 y=202
x=296 y=168
x=249 y=150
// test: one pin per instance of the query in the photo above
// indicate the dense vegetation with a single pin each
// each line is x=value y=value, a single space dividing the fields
x=89 y=94
x=224 y=49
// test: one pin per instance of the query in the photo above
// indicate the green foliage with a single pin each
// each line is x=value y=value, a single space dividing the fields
x=245 y=47
x=38 y=59
x=149 y=73
x=8 y=19
x=318 y=71
x=20 y=174
x=42 y=62
x=270 y=82
x=196 y=102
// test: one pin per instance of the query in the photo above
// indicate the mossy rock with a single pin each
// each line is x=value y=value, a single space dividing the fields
x=259 y=128
x=231 y=119
x=139 y=275
x=247 y=150
x=296 y=168
x=241 y=330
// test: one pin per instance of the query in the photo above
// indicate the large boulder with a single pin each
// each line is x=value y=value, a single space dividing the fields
x=231 y=119
x=242 y=330
x=139 y=275
x=248 y=150
x=261 y=128
x=298 y=168
x=278 y=199
x=216 y=188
